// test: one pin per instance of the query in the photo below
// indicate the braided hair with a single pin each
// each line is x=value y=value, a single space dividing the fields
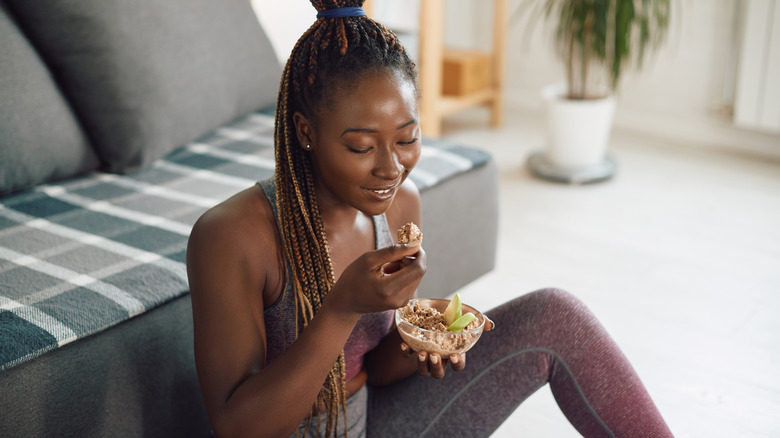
x=332 y=52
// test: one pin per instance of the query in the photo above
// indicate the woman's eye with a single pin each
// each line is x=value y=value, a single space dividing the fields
x=407 y=143
x=358 y=151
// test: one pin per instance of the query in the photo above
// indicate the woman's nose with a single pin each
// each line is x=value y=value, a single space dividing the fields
x=389 y=165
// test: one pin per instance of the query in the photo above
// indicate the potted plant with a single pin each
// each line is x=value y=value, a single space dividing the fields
x=596 y=40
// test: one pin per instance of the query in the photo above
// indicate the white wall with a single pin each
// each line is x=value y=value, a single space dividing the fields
x=284 y=24
x=757 y=104
x=683 y=93
x=689 y=67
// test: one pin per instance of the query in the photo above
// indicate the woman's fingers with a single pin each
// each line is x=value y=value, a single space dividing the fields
x=395 y=266
x=365 y=286
x=391 y=267
x=394 y=253
x=406 y=352
x=458 y=361
x=432 y=364
x=436 y=365
x=412 y=269
x=489 y=324
x=422 y=363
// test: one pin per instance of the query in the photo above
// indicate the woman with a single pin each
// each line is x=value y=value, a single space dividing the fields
x=294 y=280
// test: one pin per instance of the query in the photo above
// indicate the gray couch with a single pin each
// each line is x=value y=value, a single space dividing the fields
x=120 y=123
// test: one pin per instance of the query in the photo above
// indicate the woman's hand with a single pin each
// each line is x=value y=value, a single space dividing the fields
x=432 y=364
x=379 y=280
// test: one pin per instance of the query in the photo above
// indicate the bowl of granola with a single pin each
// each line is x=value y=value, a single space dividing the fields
x=439 y=325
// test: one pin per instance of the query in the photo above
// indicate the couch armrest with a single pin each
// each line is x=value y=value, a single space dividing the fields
x=460 y=222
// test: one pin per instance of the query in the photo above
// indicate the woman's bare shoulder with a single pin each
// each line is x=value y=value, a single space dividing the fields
x=246 y=215
x=239 y=232
x=248 y=207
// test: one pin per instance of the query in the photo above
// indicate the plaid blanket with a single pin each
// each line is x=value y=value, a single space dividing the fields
x=81 y=256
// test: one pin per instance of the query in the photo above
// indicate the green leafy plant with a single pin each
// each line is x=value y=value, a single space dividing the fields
x=605 y=35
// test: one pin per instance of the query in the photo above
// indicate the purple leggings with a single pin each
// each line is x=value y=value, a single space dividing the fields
x=547 y=336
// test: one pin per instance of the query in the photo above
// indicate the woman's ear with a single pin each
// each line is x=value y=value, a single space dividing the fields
x=304 y=130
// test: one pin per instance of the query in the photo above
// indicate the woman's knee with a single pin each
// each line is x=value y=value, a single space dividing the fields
x=529 y=307
x=564 y=308
x=552 y=296
x=557 y=295
x=554 y=303
x=538 y=311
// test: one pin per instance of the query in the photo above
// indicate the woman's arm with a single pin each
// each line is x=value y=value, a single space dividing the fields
x=386 y=363
x=232 y=254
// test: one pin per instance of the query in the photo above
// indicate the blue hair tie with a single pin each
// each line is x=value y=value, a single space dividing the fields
x=355 y=11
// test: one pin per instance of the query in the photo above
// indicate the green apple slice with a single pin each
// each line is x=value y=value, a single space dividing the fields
x=461 y=322
x=453 y=310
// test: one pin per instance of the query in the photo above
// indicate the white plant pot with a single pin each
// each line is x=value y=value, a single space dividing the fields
x=577 y=130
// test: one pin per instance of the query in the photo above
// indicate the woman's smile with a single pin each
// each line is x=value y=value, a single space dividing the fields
x=383 y=193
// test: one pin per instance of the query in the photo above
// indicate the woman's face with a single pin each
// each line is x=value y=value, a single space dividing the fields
x=366 y=143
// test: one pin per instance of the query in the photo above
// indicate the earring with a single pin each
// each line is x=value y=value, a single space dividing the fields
x=308 y=147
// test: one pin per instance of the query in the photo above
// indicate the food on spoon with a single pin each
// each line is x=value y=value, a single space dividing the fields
x=410 y=234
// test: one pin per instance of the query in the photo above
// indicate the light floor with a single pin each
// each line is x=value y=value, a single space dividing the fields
x=679 y=257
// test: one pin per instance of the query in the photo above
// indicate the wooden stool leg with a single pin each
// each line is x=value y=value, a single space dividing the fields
x=499 y=63
x=430 y=68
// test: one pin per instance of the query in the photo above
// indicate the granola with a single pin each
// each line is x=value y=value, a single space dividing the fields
x=410 y=234
x=435 y=338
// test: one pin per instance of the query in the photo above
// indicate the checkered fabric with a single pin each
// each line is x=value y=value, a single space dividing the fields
x=81 y=256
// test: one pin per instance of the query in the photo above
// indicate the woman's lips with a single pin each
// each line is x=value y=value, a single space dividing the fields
x=386 y=192
x=381 y=194
x=382 y=191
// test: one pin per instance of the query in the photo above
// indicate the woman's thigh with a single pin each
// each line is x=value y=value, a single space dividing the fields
x=505 y=367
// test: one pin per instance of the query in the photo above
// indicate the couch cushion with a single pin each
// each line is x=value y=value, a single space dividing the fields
x=41 y=139
x=146 y=76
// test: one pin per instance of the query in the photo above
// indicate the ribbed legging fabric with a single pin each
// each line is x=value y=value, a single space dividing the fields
x=547 y=336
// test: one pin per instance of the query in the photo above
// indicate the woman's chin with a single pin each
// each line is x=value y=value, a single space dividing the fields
x=376 y=208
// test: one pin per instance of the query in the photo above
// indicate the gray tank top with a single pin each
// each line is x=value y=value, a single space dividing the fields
x=280 y=316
